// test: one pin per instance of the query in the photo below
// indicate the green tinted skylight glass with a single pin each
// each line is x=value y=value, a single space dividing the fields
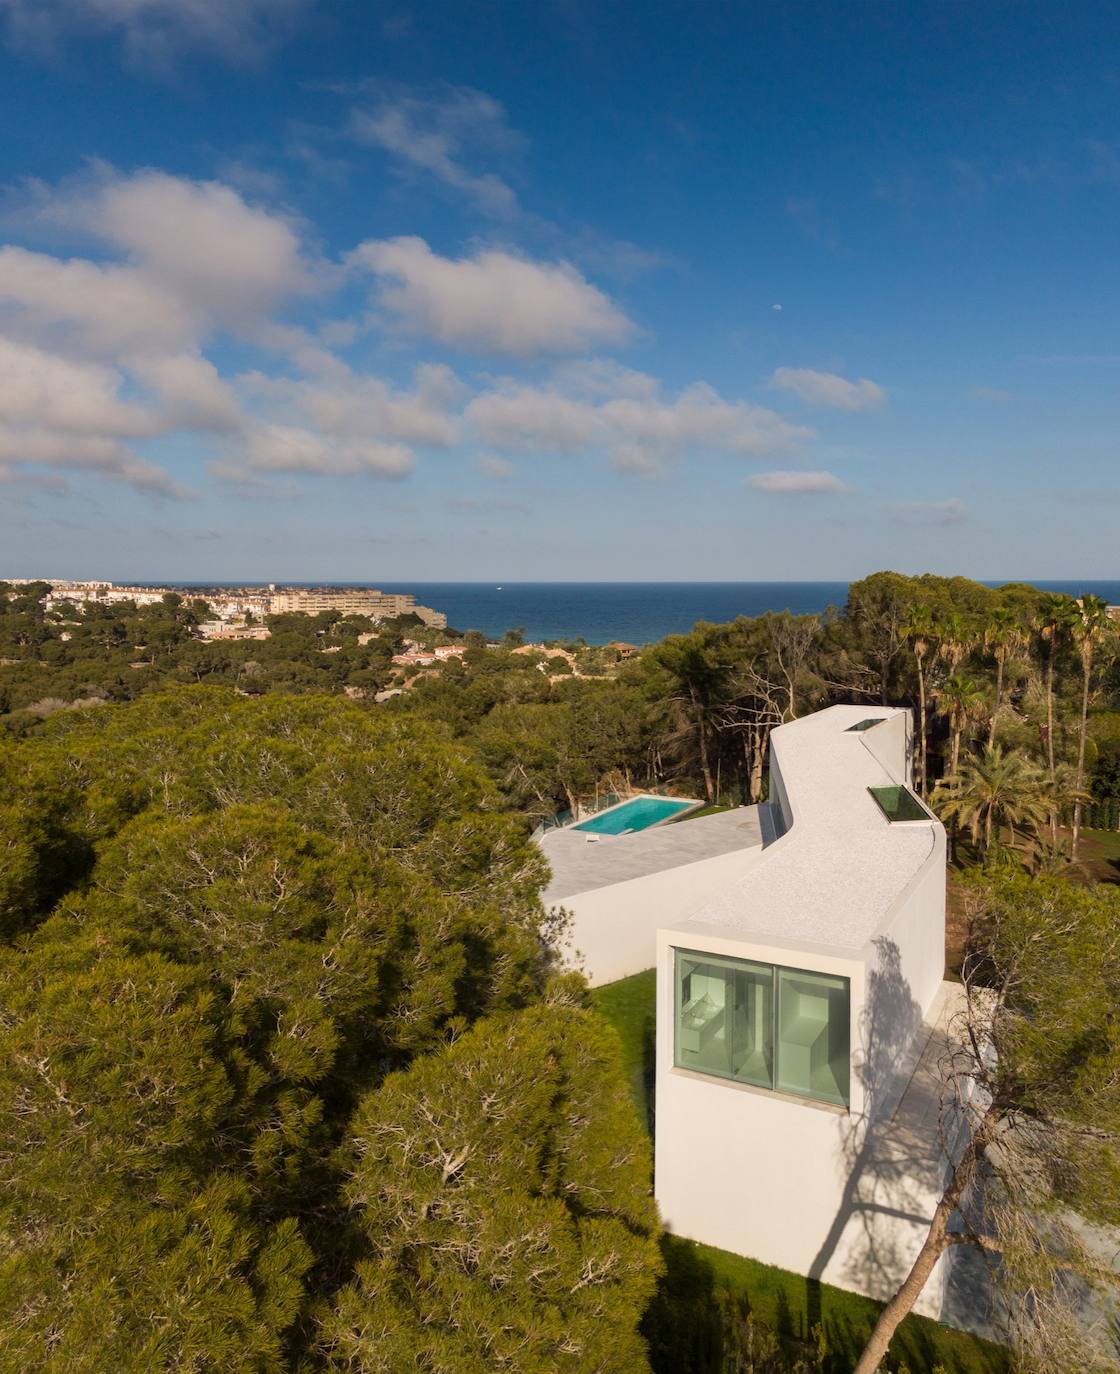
x=899 y=804
x=865 y=724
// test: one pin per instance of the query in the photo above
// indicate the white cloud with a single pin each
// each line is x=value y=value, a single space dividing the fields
x=93 y=453
x=948 y=512
x=204 y=243
x=349 y=408
x=76 y=336
x=283 y=448
x=198 y=259
x=796 y=483
x=440 y=133
x=63 y=413
x=493 y=302
x=639 y=429
x=829 y=391
x=153 y=30
x=70 y=397
x=96 y=357
x=44 y=481
x=193 y=393
x=103 y=309
x=343 y=423
x=496 y=469
x=541 y=419
x=250 y=485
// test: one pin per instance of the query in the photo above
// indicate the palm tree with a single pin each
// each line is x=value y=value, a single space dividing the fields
x=961 y=702
x=1089 y=626
x=954 y=637
x=1054 y=855
x=991 y=791
x=1051 y=621
x=1002 y=635
x=919 y=628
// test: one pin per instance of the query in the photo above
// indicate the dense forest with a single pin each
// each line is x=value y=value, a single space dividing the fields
x=291 y=1078
x=1010 y=680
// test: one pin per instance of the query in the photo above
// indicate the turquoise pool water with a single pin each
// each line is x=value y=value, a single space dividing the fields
x=634 y=815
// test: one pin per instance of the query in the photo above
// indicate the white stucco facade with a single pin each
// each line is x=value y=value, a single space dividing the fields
x=842 y=1193
x=815 y=887
x=618 y=890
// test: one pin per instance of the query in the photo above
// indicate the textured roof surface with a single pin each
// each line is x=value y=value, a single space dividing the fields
x=581 y=865
x=834 y=876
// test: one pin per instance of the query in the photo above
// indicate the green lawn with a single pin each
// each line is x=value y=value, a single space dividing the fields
x=1106 y=842
x=702 y=1320
x=1100 y=852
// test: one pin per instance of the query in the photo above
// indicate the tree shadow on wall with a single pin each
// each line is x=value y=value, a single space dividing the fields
x=886 y=1170
x=893 y=1157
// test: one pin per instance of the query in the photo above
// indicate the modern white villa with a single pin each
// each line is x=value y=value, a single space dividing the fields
x=801 y=1007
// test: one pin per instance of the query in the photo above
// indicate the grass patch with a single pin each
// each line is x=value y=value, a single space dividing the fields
x=715 y=1311
x=1100 y=853
x=629 y=1005
x=1106 y=843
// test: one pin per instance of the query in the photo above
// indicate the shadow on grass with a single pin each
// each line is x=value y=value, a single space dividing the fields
x=720 y=1314
x=697 y=1325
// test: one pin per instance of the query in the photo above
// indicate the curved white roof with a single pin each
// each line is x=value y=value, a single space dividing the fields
x=835 y=875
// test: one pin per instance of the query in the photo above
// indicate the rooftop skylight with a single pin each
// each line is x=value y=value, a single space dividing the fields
x=899 y=804
x=865 y=724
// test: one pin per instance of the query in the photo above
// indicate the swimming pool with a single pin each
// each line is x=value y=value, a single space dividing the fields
x=639 y=813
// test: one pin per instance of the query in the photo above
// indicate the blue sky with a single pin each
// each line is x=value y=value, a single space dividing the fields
x=321 y=289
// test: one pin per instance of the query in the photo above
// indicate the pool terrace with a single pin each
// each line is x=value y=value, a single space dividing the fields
x=638 y=813
x=583 y=862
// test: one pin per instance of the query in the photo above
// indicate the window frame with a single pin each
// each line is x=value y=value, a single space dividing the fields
x=733 y=962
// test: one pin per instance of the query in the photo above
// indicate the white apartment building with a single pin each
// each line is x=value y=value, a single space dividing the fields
x=354 y=601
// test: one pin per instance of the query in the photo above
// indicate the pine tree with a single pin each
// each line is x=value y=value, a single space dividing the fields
x=502 y=1187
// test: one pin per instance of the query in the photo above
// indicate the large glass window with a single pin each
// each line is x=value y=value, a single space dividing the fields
x=813 y=1035
x=725 y=1024
x=758 y=1023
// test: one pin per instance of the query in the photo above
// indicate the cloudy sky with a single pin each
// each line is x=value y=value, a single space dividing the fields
x=356 y=289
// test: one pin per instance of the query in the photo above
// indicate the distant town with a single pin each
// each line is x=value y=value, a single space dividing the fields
x=420 y=637
x=238 y=610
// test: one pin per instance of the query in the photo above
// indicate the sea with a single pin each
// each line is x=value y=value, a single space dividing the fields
x=635 y=612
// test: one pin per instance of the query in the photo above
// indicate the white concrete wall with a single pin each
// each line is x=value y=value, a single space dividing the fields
x=778 y=795
x=613 y=930
x=914 y=936
x=812 y=1188
x=889 y=743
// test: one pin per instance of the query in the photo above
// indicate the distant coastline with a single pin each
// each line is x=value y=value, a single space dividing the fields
x=637 y=612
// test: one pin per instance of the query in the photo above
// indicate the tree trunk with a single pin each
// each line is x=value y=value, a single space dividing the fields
x=955 y=756
x=933 y=1247
x=705 y=766
x=757 y=756
x=1050 y=744
x=1087 y=666
x=702 y=736
x=999 y=701
x=923 y=782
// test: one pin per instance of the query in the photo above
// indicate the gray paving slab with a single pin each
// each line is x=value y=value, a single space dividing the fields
x=582 y=863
